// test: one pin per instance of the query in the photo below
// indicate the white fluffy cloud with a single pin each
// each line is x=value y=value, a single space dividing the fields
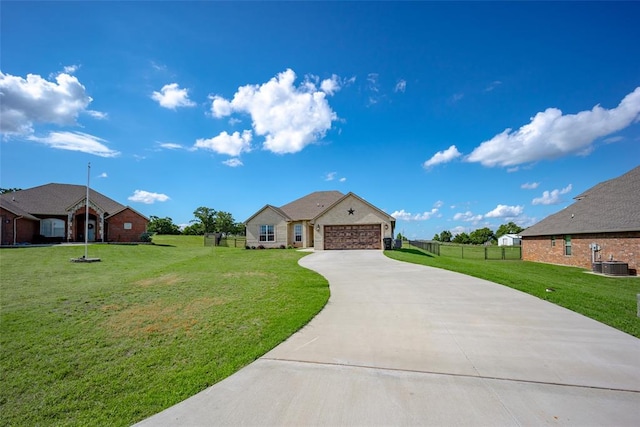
x=76 y=141
x=332 y=85
x=401 y=86
x=289 y=117
x=170 y=146
x=500 y=211
x=224 y=143
x=147 y=197
x=467 y=216
x=408 y=216
x=26 y=102
x=233 y=163
x=171 y=96
x=330 y=176
x=551 y=197
x=504 y=211
x=550 y=134
x=445 y=156
x=530 y=185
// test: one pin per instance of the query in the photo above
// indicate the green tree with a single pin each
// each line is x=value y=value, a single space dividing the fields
x=224 y=222
x=162 y=225
x=462 y=238
x=193 y=230
x=9 y=190
x=207 y=218
x=239 y=229
x=436 y=237
x=481 y=236
x=508 y=228
x=445 y=236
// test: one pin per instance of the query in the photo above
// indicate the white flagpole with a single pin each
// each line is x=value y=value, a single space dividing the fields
x=86 y=216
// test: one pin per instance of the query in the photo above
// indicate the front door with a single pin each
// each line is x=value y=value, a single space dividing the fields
x=91 y=231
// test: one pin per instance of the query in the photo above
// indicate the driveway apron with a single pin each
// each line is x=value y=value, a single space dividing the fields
x=403 y=344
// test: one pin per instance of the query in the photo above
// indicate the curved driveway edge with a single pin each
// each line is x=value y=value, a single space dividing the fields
x=404 y=344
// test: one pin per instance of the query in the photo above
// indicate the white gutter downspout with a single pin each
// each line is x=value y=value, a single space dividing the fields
x=15 y=220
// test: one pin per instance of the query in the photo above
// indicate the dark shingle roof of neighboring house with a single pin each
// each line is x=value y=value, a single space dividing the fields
x=309 y=206
x=55 y=199
x=611 y=206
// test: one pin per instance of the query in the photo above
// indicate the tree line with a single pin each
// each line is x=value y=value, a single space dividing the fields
x=207 y=220
x=479 y=236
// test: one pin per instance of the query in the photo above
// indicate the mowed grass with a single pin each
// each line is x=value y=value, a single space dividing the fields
x=114 y=342
x=609 y=300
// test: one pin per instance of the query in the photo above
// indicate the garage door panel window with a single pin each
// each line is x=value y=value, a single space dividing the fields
x=267 y=233
x=365 y=236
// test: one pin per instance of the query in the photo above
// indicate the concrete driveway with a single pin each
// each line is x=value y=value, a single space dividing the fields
x=402 y=344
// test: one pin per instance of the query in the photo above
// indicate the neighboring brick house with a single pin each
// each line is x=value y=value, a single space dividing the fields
x=321 y=220
x=607 y=215
x=55 y=213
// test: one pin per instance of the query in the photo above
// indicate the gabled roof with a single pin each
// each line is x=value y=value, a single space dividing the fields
x=273 y=208
x=55 y=199
x=311 y=205
x=350 y=194
x=123 y=209
x=611 y=206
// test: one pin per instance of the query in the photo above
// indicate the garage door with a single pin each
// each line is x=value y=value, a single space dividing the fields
x=360 y=236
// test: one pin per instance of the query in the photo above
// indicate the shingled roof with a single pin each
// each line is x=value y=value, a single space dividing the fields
x=55 y=199
x=309 y=206
x=611 y=206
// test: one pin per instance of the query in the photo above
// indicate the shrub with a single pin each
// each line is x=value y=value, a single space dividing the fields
x=146 y=237
x=261 y=247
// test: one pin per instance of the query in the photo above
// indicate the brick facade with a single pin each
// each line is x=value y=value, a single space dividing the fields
x=624 y=246
x=28 y=230
x=25 y=229
x=116 y=230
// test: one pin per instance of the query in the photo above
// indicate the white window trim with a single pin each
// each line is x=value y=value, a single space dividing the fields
x=266 y=234
x=48 y=227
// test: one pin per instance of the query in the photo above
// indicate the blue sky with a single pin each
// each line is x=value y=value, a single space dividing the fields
x=449 y=116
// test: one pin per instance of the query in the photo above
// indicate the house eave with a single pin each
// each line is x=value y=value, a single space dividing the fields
x=576 y=232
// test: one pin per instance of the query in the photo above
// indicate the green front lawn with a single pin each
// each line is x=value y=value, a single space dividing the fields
x=610 y=300
x=114 y=342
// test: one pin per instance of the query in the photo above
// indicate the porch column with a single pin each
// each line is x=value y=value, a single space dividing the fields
x=102 y=226
x=69 y=226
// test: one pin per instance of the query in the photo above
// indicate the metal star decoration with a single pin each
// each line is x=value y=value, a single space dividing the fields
x=351 y=211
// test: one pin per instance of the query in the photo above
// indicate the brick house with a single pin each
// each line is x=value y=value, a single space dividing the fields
x=55 y=213
x=607 y=215
x=321 y=220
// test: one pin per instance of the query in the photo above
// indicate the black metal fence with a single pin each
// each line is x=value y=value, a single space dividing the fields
x=469 y=251
x=429 y=246
x=216 y=239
